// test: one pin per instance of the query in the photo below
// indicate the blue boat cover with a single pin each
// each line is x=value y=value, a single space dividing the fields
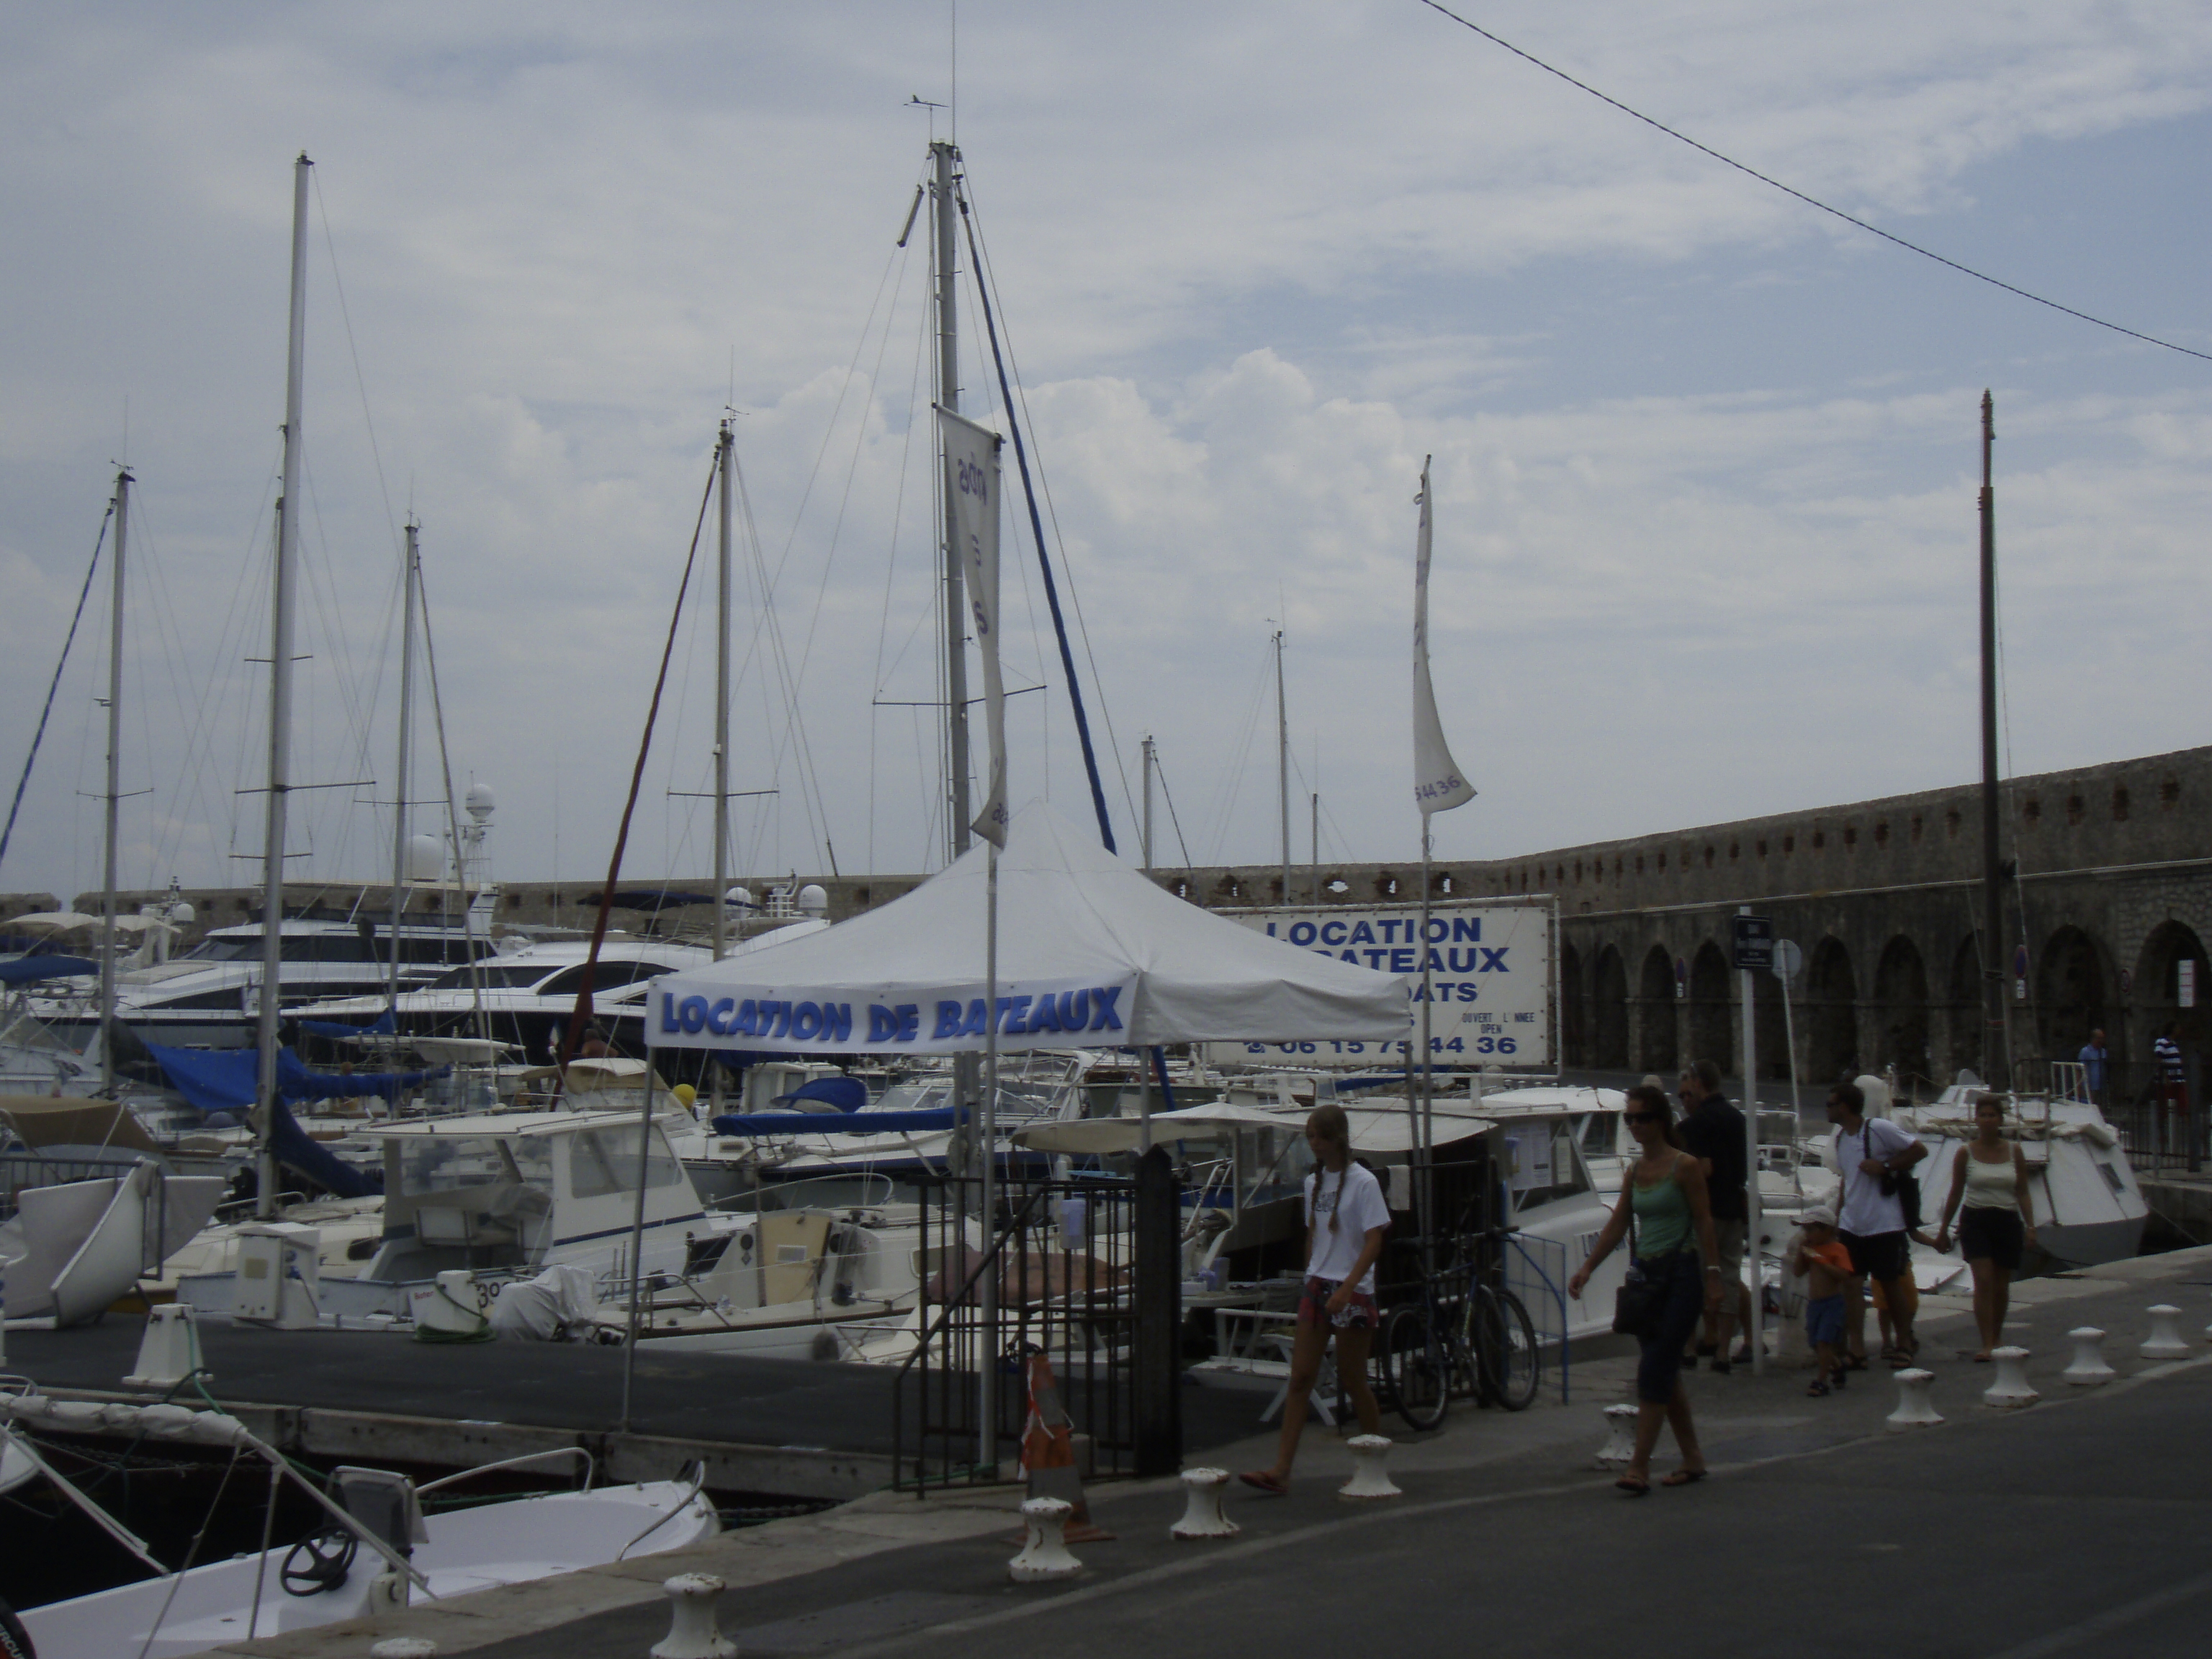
x=847 y=1094
x=382 y=1025
x=836 y=1123
x=224 y=1079
x=25 y=970
x=290 y=1144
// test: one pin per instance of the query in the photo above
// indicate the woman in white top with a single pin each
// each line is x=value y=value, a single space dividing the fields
x=1346 y=1219
x=1998 y=1224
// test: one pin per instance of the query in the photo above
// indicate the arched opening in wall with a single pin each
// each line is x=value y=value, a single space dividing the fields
x=1609 y=1001
x=1901 y=997
x=1832 y=1045
x=2157 y=997
x=1966 y=1006
x=2069 y=996
x=1660 y=1052
x=1711 y=982
x=1573 y=1030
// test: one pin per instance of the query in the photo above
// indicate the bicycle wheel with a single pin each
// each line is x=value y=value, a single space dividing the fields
x=1506 y=1350
x=1414 y=1357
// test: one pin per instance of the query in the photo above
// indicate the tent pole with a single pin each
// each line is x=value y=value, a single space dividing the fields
x=637 y=1221
x=986 y=1375
x=1424 y=1126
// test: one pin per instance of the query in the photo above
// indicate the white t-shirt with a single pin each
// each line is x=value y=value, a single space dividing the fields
x=1865 y=1211
x=1357 y=1198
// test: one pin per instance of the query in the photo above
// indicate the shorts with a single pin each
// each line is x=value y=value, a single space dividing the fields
x=1313 y=1307
x=1727 y=1245
x=1986 y=1232
x=1824 y=1320
x=1877 y=1256
x=1681 y=1277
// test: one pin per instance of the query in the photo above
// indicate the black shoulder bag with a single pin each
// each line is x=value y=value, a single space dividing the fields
x=1904 y=1189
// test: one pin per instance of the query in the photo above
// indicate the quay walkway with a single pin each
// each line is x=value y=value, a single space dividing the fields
x=2074 y=1528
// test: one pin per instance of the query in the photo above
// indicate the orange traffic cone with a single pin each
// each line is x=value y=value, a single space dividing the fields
x=1048 y=1454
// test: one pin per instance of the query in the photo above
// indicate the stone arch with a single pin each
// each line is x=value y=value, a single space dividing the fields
x=1832 y=1045
x=1660 y=1049
x=1900 y=996
x=2157 y=994
x=1712 y=1034
x=1609 y=1013
x=2071 y=995
x=1573 y=1032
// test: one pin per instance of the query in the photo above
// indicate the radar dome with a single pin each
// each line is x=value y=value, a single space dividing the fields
x=738 y=898
x=480 y=801
x=813 y=898
x=426 y=858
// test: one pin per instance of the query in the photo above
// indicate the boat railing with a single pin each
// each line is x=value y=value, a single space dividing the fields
x=1535 y=1270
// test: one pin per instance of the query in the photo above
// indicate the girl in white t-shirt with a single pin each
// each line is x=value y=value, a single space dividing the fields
x=1346 y=1219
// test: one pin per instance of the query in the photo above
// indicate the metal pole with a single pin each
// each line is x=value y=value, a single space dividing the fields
x=1790 y=1036
x=1317 y=848
x=1283 y=763
x=123 y=482
x=987 y=1377
x=1148 y=805
x=637 y=1217
x=1756 y=1334
x=725 y=452
x=1424 y=1126
x=1997 y=1057
x=280 y=701
x=406 y=720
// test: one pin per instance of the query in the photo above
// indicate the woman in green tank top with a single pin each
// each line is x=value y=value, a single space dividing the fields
x=1664 y=1194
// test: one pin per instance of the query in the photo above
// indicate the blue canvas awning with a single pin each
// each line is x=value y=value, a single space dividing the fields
x=226 y=1080
x=27 y=970
x=837 y=1123
x=382 y=1025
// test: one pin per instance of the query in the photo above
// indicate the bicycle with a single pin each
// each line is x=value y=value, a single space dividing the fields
x=1464 y=1336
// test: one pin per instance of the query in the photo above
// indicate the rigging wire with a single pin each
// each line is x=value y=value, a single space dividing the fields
x=39 y=735
x=1160 y=772
x=1809 y=201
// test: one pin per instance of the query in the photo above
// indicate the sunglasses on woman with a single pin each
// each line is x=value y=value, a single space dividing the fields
x=1644 y=1117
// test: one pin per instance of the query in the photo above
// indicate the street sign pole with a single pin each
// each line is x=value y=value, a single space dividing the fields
x=1755 y=954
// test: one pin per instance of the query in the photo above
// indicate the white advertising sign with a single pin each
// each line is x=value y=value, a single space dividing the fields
x=1490 y=979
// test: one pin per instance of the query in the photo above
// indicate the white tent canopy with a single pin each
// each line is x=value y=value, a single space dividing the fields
x=1091 y=954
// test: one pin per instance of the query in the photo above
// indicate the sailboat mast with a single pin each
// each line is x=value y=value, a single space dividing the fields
x=280 y=700
x=123 y=482
x=412 y=575
x=724 y=456
x=1148 y=805
x=1996 y=1059
x=944 y=215
x=1283 y=764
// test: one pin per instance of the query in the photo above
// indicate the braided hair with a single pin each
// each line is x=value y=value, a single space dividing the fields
x=1328 y=1123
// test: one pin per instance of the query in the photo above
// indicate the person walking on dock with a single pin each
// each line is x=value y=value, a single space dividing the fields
x=2096 y=1061
x=1346 y=1219
x=1713 y=1133
x=1874 y=1156
x=1998 y=1224
x=1672 y=1251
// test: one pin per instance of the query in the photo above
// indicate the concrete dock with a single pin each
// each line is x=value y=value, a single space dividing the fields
x=2076 y=1527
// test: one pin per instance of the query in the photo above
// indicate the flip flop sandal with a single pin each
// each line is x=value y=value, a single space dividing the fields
x=1633 y=1487
x=1820 y=1390
x=1264 y=1480
x=1684 y=1478
x=1856 y=1362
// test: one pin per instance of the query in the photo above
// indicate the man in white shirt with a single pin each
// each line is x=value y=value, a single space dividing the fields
x=1872 y=1153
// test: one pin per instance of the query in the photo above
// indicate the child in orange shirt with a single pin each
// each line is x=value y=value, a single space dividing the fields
x=1826 y=1265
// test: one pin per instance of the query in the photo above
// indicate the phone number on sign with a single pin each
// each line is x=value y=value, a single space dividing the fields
x=1504 y=1045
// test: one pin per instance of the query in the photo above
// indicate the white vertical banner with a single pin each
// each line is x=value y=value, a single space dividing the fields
x=971 y=483
x=1437 y=784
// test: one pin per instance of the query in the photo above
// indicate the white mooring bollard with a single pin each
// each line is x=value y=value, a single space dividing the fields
x=2012 y=1389
x=1914 y=1409
x=169 y=1352
x=692 y=1631
x=1201 y=1515
x=2166 y=1340
x=404 y=1647
x=1044 y=1554
x=1619 y=1447
x=2089 y=1368
x=1370 y=1481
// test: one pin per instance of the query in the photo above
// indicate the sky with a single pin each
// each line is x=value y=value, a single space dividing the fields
x=1705 y=460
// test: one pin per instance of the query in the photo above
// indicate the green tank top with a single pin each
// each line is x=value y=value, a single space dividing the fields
x=1662 y=1217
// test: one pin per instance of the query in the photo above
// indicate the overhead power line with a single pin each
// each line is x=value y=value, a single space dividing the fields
x=1809 y=201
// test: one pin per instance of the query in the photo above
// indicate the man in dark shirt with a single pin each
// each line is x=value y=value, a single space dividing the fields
x=1713 y=1133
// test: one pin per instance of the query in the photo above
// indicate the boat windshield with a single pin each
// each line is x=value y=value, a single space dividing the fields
x=445 y=1164
x=22 y=1032
x=223 y=950
x=603 y=1161
x=1541 y=1167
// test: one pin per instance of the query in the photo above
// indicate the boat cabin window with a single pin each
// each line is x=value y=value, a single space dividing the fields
x=1601 y=1134
x=492 y=975
x=223 y=950
x=445 y=1164
x=327 y=947
x=1540 y=1165
x=607 y=976
x=603 y=1161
